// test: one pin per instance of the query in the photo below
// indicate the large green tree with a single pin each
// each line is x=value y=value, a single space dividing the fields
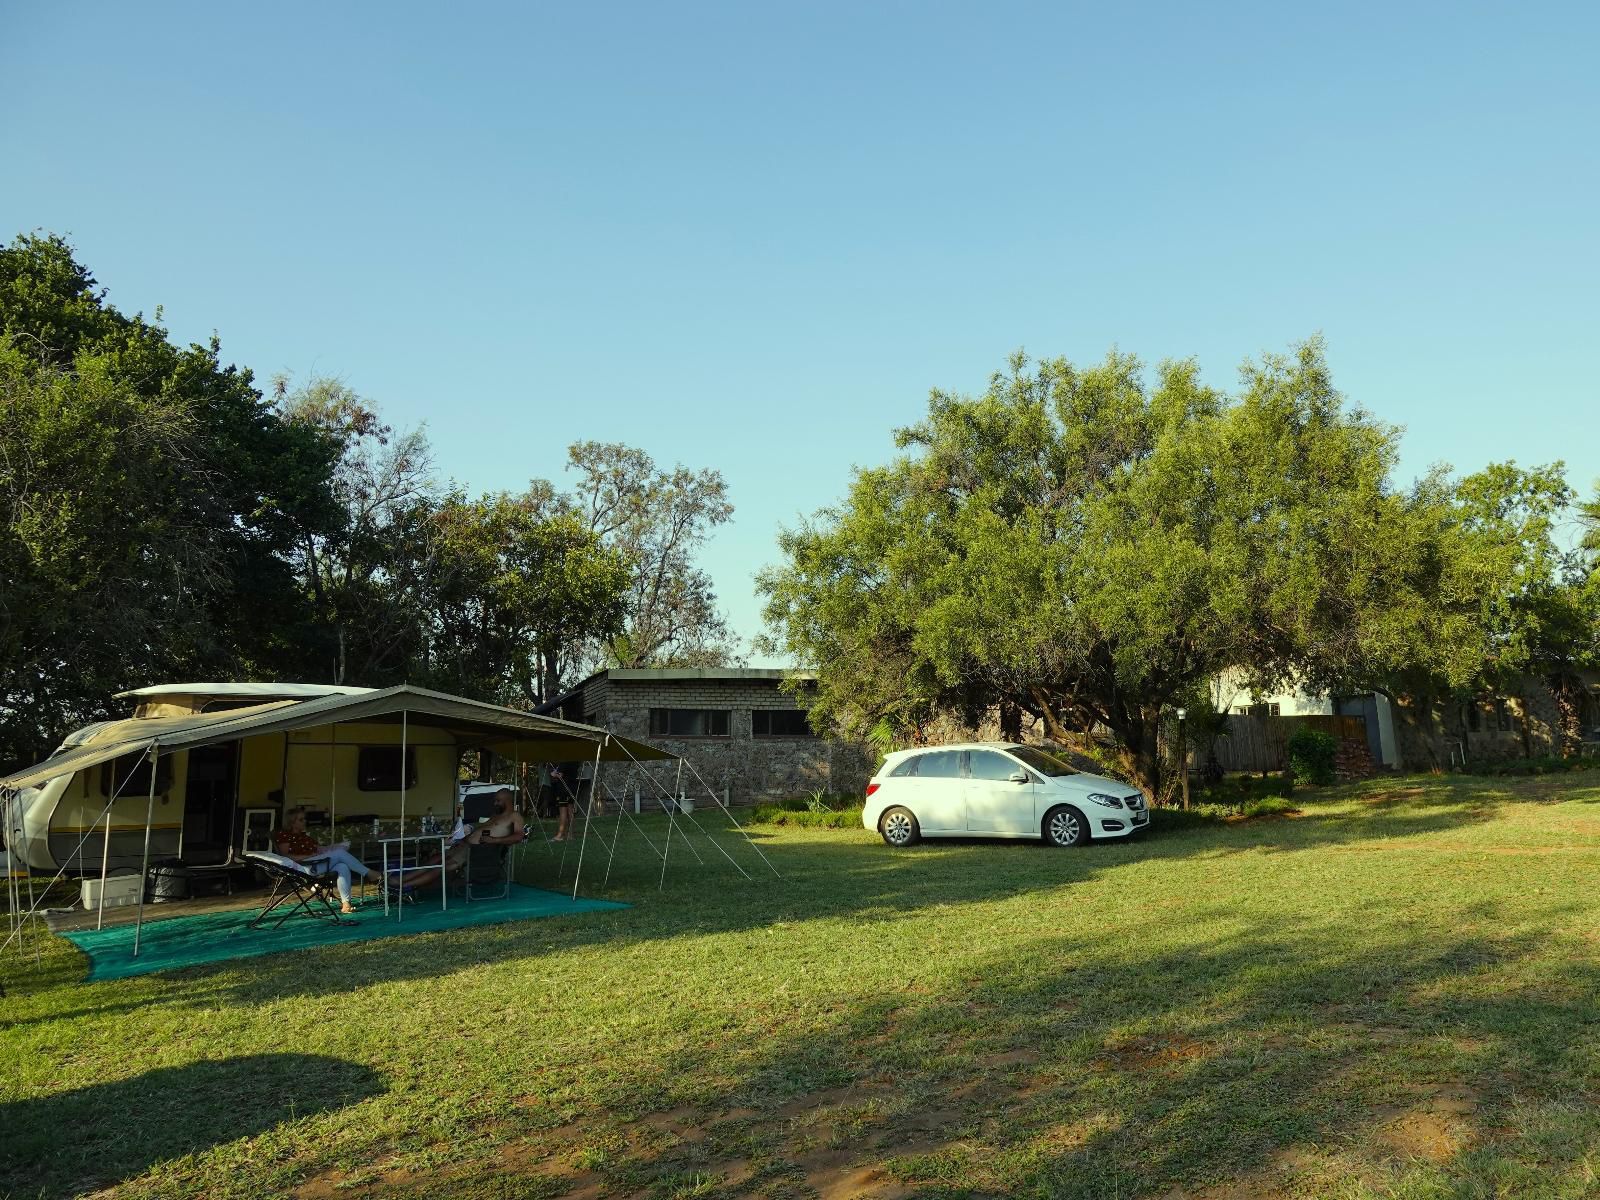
x=151 y=499
x=658 y=520
x=1090 y=547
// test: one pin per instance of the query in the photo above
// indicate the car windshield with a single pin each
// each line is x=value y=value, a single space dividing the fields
x=1045 y=764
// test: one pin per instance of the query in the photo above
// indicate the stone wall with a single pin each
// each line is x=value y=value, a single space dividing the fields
x=746 y=767
x=1430 y=734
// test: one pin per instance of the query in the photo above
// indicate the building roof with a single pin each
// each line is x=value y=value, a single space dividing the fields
x=649 y=674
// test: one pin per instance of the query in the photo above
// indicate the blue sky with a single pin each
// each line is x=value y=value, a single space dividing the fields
x=752 y=237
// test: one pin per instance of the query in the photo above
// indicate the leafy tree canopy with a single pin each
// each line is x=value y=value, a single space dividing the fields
x=1090 y=547
x=150 y=494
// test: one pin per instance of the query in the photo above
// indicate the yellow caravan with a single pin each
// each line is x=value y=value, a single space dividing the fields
x=203 y=771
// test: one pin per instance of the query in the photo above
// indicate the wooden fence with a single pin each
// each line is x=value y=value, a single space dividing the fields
x=1262 y=743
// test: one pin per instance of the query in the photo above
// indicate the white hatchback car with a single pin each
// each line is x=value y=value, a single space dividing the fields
x=997 y=789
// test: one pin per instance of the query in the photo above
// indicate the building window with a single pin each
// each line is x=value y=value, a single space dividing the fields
x=1502 y=716
x=689 y=722
x=378 y=768
x=1474 y=717
x=780 y=722
x=1261 y=710
x=129 y=775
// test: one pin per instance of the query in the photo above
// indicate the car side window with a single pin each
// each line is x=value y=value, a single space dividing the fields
x=906 y=768
x=986 y=764
x=941 y=764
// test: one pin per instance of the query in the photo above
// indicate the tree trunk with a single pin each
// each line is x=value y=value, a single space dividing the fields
x=1139 y=751
x=1569 y=723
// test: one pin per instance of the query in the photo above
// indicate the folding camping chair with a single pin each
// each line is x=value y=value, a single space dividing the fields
x=488 y=872
x=313 y=892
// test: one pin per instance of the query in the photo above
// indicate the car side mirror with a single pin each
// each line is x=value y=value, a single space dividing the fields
x=1019 y=777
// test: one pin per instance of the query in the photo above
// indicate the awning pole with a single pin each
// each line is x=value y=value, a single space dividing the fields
x=105 y=861
x=144 y=870
x=77 y=851
x=588 y=812
x=404 y=714
x=728 y=812
x=333 y=782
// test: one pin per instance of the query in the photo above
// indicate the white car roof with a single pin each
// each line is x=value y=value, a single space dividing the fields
x=957 y=746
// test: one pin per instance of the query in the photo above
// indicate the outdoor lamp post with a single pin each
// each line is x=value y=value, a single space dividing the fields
x=1183 y=759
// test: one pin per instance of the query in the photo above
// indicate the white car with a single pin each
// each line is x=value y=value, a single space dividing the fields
x=1000 y=790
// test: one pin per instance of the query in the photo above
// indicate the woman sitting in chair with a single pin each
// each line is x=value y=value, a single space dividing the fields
x=294 y=842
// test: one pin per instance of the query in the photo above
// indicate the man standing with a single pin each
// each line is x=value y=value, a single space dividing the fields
x=564 y=781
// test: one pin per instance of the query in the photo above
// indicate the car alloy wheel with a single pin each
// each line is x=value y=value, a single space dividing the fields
x=1063 y=827
x=899 y=827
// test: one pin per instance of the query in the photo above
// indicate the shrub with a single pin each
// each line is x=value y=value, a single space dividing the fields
x=1268 y=806
x=1311 y=754
x=1538 y=765
x=797 y=813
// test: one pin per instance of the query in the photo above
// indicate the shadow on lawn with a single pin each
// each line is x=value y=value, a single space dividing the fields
x=827 y=875
x=1024 y=1079
x=824 y=877
x=74 y=1142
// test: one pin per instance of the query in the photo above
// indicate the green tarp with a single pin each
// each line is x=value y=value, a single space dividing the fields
x=175 y=942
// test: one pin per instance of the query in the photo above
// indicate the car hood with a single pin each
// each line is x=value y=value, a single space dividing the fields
x=1092 y=783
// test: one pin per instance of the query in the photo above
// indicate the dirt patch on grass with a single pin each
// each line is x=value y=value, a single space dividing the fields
x=1143 y=1054
x=1434 y=1126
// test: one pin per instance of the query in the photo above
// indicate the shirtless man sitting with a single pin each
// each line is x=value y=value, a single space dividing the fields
x=505 y=827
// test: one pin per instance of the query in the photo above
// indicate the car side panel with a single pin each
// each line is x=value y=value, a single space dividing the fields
x=940 y=804
x=1000 y=806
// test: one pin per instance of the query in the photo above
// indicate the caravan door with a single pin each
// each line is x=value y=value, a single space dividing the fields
x=209 y=802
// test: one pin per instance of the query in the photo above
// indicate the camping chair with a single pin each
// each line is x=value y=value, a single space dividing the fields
x=489 y=871
x=314 y=892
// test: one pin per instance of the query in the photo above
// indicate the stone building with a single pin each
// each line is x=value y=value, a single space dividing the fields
x=1523 y=722
x=739 y=731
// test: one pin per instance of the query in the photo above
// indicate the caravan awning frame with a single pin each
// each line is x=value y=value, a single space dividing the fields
x=504 y=730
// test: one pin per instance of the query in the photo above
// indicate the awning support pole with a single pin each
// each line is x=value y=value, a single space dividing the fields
x=724 y=806
x=61 y=870
x=588 y=813
x=144 y=870
x=105 y=862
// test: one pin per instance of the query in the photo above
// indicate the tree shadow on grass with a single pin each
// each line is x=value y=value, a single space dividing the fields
x=824 y=876
x=73 y=1142
x=1075 y=1070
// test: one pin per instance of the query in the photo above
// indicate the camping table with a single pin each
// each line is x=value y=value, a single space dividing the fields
x=444 y=890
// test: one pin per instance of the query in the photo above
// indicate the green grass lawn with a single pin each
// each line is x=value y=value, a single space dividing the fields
x=1391 y=994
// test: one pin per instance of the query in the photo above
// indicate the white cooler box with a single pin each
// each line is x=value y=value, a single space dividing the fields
x=120 y=890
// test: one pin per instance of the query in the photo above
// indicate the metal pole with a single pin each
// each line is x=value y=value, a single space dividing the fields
x=588 y=812
x=404 y=717
x=105 y=861
x=17 y=925
x=333 y=782
x=144 y=870
x=663 y=883
x=616 y=836
x=728 y=812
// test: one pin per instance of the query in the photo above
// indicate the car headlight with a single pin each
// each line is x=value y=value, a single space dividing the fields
x=1106 y=801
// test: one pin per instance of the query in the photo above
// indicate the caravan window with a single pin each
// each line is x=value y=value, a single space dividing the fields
x=130 y=775
x=378 y=768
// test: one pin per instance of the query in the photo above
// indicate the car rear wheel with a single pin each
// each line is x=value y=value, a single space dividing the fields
x=1064 y=826
x=899 y=827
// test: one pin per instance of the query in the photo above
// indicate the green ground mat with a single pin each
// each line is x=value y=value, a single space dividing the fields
x=175 y=942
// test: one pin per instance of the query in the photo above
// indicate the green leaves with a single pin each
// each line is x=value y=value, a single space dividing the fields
x=1089 y=544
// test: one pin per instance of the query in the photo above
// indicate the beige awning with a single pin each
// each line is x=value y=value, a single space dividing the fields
x=506 y=731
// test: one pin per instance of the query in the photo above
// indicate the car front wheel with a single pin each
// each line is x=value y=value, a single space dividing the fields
x=1065 y=826
x=899 y=827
